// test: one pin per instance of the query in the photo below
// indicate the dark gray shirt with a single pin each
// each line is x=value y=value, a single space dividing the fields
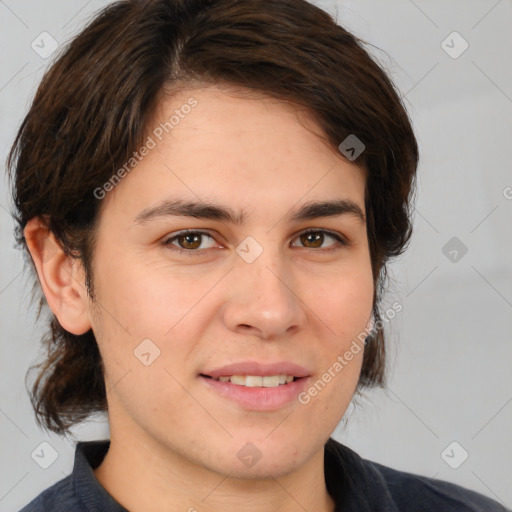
x=355 y=484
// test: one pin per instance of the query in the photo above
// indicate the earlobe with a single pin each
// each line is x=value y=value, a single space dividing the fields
x=61 y=277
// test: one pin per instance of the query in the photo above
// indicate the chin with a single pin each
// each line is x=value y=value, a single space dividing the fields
x=263 y=458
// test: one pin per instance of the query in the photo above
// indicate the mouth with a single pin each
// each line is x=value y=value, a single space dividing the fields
x=260 y=393
x=255 y=381
x=257 y=385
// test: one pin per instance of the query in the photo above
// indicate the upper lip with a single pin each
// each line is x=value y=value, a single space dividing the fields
x=256 y=368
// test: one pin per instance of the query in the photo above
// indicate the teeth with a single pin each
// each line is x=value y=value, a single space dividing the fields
x=253 y=381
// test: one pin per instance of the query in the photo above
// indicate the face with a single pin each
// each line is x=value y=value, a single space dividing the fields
x=277 y=284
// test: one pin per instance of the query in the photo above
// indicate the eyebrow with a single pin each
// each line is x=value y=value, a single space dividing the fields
x=210 y=211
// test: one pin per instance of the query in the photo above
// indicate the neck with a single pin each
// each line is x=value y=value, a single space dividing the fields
x=144 y=476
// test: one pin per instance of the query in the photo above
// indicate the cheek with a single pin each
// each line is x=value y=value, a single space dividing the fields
x=142 y=336
x=344 y=303
x=148 y=300
x=154 y=316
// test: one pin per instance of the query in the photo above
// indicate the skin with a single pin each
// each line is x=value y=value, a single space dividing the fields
x=174 y=442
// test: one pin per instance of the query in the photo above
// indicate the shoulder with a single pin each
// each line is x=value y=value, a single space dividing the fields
x=60 y=497
x=382 y=488
x=412 y=492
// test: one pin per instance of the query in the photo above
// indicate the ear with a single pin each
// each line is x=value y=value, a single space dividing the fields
x=61 y=277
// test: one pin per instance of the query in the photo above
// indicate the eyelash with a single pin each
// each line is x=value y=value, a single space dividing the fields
x=168 y=242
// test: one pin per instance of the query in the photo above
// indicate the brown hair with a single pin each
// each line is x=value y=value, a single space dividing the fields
x=92 y=109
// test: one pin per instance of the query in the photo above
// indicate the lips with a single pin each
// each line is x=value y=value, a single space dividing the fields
x=257 y=398
x=258 y=368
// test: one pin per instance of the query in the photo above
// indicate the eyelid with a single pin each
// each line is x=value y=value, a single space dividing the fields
x=342 y=240
x=168 y=239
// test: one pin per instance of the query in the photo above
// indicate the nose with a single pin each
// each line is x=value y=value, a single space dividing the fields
x=262 y=298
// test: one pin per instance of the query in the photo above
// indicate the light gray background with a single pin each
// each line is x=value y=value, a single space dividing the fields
x=451 y=350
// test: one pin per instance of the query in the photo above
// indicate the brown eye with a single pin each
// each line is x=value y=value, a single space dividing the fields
x=315 y=240
x=189 y=242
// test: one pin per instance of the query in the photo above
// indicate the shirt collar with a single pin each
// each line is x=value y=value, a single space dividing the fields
x=354 y=483
x=88 y=456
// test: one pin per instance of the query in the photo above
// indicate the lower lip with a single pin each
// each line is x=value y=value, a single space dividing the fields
x=258 y=398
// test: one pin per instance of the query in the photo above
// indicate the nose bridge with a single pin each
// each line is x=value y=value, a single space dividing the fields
x=262 y=292
x=266 y=275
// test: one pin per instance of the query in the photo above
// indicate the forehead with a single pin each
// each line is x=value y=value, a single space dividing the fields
x=234 y=121
x=238 y=147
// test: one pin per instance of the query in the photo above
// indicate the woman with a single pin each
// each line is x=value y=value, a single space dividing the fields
x=210 y=192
